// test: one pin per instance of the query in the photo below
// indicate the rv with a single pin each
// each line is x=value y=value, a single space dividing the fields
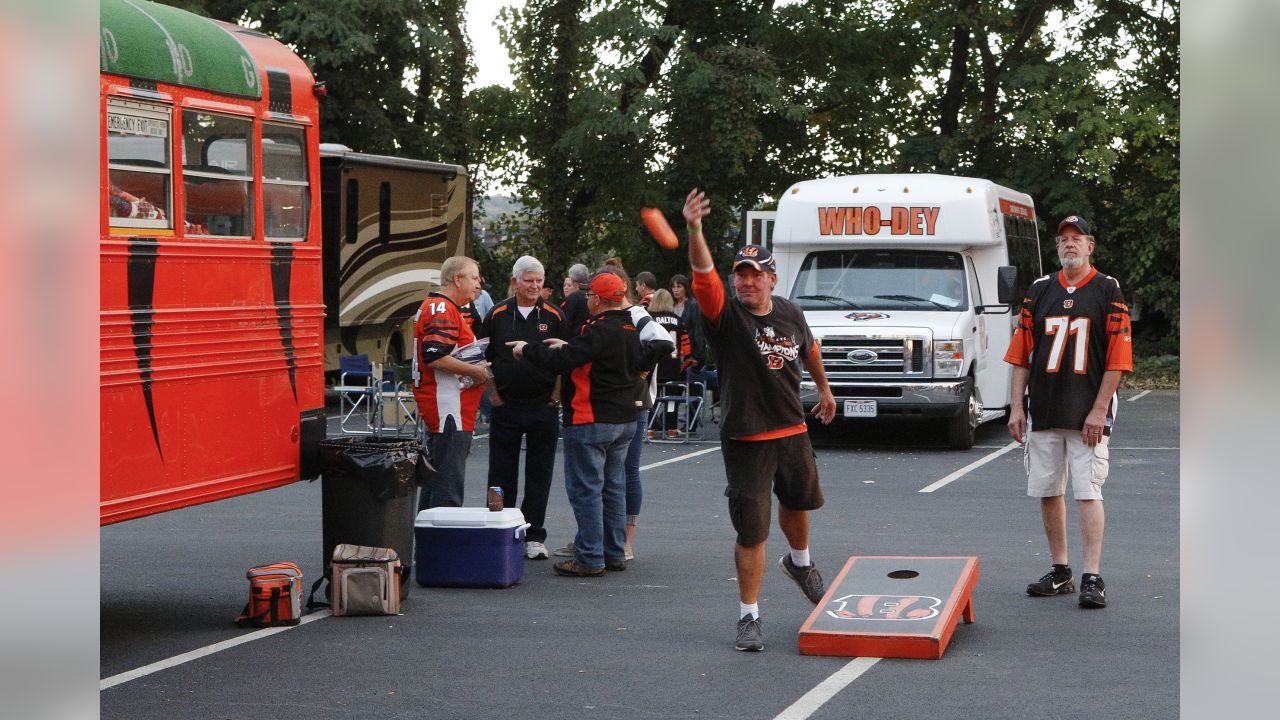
x=907 y=283
x=387 y=224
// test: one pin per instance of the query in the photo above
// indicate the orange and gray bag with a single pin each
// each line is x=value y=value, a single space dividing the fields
x=365 y=581
x=275 y=596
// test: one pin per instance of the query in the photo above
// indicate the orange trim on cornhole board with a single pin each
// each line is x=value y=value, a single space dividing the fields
x=892 y=606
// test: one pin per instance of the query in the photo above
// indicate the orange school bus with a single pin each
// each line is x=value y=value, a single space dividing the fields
x=212 y=314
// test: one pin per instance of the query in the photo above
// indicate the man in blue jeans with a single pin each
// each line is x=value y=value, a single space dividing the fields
x=599 y=367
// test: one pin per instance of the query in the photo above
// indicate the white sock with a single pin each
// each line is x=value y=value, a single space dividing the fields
x=800 y=558
x=744 y=609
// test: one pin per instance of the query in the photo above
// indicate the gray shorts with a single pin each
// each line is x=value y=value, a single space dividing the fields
x=1051 y=456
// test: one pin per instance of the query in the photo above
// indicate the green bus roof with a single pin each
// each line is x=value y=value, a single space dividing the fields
x=148 y=41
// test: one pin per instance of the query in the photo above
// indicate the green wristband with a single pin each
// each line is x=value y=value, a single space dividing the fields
x=693 y=229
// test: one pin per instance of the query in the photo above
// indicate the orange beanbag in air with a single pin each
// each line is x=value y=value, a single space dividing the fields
x=658 y=227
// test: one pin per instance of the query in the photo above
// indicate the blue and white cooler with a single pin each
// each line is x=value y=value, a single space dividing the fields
x=469 y=547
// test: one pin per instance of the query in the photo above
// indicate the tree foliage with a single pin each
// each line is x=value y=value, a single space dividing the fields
x=620 y=104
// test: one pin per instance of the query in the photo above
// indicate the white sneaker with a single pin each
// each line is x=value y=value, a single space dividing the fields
x=536 y=551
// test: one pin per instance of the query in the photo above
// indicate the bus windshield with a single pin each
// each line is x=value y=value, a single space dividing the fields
x=858 y=279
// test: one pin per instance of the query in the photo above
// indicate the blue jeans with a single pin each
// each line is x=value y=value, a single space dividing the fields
x=448 y=450
x=634 y=493
x=594 y=456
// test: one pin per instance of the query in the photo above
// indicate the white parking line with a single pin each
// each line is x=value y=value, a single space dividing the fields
x=1139 y=396
x=827 y=689
x=678 y=458
x=198 y=653
x=967 y=468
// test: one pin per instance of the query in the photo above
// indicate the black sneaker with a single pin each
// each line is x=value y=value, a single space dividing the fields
x=1093 y=592
x=1055 y=582
x=750 y=634
x=807 y=578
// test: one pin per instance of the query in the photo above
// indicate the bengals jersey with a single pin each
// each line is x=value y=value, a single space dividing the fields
x=439 y=327
x=1069 y=335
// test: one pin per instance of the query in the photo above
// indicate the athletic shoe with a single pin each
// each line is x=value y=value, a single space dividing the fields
x=1093 y=592
x=1054 y=582
x=535 y=550
x=573 y=569
x=615 y=565
x=806 y=578
x=750 y=634
x=566 y=551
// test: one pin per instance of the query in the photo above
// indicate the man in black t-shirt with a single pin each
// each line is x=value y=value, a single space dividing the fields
x=1069 y=351
x=761 y=341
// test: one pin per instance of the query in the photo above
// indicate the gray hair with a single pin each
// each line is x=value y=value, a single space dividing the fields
x=579 y=274
x=526 y=263
x=454 y=266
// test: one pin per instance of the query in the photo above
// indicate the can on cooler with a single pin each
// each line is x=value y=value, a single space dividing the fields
x=495 y=499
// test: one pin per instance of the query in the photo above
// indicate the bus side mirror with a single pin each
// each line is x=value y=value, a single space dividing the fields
x=1006 y=281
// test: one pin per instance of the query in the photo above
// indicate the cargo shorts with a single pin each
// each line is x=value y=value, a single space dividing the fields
x=1052 y=456
x=787 y=466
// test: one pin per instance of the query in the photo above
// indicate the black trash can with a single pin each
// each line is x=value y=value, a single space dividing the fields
x=368 y=489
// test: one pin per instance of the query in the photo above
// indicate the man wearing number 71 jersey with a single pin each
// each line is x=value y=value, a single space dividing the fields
x=1069 y=350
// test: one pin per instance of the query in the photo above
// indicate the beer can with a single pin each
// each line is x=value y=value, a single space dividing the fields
x=495 y=499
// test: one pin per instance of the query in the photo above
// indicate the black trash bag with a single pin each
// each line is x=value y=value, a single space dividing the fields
x=387 y=467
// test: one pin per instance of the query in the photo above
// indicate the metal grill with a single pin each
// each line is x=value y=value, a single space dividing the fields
x=847 y=358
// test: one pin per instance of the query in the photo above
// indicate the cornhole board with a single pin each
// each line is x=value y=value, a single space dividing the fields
x=889 y=606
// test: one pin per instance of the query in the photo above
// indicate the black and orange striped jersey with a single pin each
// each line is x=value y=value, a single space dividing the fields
x=439 y=327
x=1069 y=335
x=672 y=366
x=601 y=365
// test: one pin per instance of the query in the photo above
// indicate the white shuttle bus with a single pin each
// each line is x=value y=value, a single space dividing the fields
x=908 y=282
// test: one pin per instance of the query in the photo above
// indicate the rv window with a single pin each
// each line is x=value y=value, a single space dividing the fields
x=384 y=212
x=139 y=173
x=353 y=211
x=881 y=280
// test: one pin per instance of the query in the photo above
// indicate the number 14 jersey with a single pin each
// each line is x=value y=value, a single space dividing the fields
x=1069 y=335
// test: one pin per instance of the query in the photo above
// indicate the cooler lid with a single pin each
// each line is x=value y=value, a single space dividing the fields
x=477 y=517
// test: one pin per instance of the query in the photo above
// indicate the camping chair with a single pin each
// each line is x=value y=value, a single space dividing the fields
x=359 y=399
x=399 y=408
x=677 y=411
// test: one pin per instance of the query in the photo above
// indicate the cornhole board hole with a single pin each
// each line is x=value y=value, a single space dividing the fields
x=900 y=607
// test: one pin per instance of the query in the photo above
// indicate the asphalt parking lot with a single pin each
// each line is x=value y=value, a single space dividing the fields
x=656 y=640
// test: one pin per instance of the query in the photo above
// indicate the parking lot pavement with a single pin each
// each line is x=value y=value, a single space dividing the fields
x=656 y=640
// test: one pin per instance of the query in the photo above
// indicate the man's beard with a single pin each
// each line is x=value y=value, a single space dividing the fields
x=1071 y=262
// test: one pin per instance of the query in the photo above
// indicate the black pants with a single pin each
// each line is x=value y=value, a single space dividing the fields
x=539 y=425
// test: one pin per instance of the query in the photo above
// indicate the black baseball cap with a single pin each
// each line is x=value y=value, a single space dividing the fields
x=1079 y=223
x=758 y=257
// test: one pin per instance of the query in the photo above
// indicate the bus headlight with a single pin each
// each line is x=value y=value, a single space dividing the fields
x=948 y=358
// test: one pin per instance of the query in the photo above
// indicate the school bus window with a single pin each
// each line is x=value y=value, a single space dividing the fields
x=285 y=191
x=217 y=174
x=138 y=168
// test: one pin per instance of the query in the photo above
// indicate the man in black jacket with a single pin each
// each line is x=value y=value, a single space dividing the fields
x=600 y=368
x=525 y=400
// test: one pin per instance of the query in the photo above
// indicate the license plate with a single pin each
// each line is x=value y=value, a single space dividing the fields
x=860 y=408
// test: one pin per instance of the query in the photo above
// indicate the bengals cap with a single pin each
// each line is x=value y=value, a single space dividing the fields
x=1078 y=222
x=608 y=286
x=757 y=256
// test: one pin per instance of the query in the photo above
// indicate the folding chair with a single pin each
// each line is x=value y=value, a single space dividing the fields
x=677 y=411
x=359 y=396
x=399 y=408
